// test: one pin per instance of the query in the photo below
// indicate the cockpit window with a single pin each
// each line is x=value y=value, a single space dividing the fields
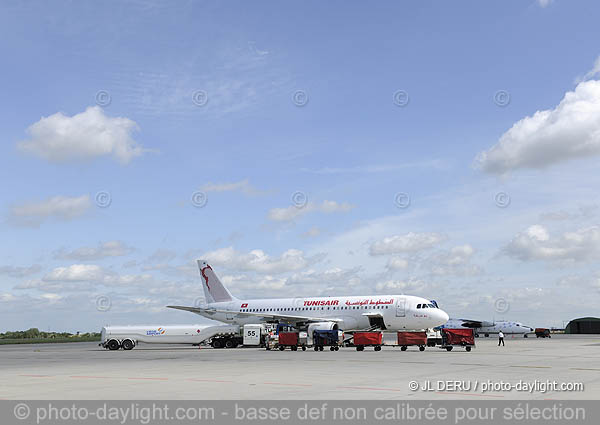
x=418 y=305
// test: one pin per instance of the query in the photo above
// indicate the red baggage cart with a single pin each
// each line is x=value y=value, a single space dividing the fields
x=368 y=339
x=412 y=338
x=288 y=339
x=458 y=337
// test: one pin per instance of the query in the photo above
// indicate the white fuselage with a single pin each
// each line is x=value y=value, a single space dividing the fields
x=398 y=312
x=508 y=328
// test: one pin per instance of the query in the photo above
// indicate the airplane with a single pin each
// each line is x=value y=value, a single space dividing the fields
x=348 y=313
x=487 y=328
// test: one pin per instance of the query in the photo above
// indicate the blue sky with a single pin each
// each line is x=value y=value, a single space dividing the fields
x=148 y=103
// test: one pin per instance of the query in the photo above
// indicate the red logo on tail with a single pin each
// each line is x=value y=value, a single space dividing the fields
x=206 y=277
x=244 y=305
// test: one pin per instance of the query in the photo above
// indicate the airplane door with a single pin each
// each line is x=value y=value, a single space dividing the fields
x=400 y=307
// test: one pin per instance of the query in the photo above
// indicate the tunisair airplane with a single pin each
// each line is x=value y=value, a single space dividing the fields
x=385 y=312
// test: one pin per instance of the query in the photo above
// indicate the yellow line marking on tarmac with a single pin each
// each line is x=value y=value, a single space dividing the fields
x=581 y=368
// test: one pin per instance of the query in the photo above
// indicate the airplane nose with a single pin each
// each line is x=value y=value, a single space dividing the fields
x=442 y=316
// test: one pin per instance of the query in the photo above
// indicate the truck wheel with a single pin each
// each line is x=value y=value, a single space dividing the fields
x=217 y=343
x=128 y=344
x=332 y=348
x=294 y=348
x=403 y=348
x=321 y=348
x=303 y=348
x=421 y=348
x=229 y=343
x=316 y=348
x=468 y=348
x=449 y=348
x=281 y=348
x=378 y=348
x=113 y=345
x=525 y=336
x=337 y=348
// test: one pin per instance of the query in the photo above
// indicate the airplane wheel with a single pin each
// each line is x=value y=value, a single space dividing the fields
x=403 y=348
x=448 y=348
x=229 y=344
x=421 y=348
x=128 y=344
x=113 y=345
x=487 y=335
x=525 y=336
x=468 y=348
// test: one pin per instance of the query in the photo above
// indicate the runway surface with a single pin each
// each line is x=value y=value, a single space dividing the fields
x=85 y=371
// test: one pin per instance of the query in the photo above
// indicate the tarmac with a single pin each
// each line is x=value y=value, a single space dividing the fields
x=85 y=371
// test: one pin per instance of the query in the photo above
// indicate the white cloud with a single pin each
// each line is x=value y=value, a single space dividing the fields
x=258 y=261
x=456 y=262
x=535 y=243
x=326 y=278
x=591 y=73
x=14 y=271
x=407 y=243
x=84 y=277
x=76 y=273
x=544 y=3
x=292 y=212
x=243 y=186
x=89 y=134
x=313 y=232
x=400 y=286
x=397 y=263
x=569 y=131
x=33 y=213
x=102 y=250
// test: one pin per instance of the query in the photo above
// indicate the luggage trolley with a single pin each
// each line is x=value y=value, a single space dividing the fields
x=457 y=338
x=406 y=339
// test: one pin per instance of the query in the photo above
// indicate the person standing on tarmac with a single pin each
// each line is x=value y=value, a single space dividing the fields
x=500 y=338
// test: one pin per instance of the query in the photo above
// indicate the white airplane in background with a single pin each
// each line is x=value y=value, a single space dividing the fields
x=391 y=312
x=487 y=328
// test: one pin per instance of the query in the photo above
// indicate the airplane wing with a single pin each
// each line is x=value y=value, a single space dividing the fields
x=272 y=316
x=467 y=323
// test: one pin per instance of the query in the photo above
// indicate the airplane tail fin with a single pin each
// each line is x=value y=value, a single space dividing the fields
x=214 y=290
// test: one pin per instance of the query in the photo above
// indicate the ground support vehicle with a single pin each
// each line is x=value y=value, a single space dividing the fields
x=457 y=338
x=406 y=339
x=368 y=339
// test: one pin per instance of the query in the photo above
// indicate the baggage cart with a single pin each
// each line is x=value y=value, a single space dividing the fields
x=406 y=339
x=324 y=338
x=288 y=339
x=368 y=339
x=457 y=338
